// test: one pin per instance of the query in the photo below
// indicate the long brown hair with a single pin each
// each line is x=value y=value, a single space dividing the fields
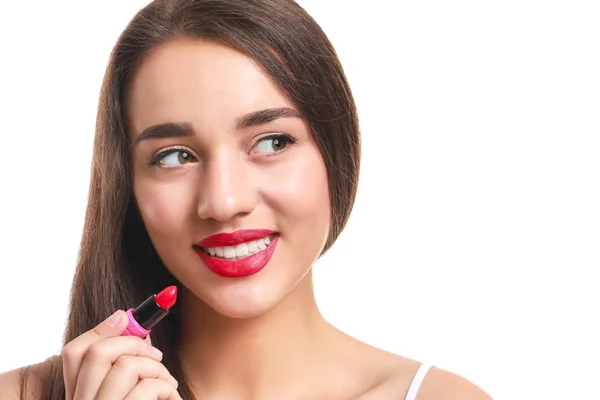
x=118 y=266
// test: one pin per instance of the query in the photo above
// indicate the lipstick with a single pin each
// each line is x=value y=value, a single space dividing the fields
x=234 y=238
x=150 y=312
x=237 y=267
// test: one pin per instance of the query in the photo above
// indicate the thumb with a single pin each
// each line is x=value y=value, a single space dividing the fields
x=111 y=326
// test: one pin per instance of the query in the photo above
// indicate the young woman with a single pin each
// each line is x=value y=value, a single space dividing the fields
x=225 y=162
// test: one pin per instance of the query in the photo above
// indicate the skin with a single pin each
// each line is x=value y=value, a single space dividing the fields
x=234 y=178
x=260 y=337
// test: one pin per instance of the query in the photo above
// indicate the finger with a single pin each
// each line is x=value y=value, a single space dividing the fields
x=153 y=389
x=73 y=352
x=125 y=374
x=100 y=357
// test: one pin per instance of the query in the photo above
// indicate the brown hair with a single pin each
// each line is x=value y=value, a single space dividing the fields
x=291 y=47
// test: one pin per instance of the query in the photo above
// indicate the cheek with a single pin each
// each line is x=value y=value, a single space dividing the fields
x=164 y=208
x=299 y=192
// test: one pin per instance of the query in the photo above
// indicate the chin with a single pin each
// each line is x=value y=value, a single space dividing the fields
x=242 y=311
x=243 y=299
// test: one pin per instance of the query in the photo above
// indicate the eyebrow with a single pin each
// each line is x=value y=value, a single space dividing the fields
x=265 y=116
x=166 y=130
x=255 y=118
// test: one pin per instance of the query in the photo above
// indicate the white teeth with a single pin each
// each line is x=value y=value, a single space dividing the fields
x=252 y=246
x=241 y=250
x=229 y=252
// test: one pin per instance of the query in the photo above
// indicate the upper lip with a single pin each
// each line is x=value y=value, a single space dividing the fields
x=234 y=238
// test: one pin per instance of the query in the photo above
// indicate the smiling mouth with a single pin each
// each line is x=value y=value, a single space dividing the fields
x=239 y=251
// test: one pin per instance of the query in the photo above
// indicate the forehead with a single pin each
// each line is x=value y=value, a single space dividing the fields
x=201 y=82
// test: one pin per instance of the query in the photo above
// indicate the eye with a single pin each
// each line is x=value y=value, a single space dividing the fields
x=273 y=143
x=172 y=158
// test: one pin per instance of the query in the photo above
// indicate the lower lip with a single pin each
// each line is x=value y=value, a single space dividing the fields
x=242 y=267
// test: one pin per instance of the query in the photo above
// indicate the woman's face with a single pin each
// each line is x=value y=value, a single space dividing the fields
x=217 y=148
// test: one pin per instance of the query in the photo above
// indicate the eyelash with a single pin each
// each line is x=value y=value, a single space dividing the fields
x=287 y=139
x=158 y=157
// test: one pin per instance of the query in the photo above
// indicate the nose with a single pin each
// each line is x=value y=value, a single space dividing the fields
x=226 y=190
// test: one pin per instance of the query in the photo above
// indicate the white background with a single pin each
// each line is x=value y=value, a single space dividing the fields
x=475 y=240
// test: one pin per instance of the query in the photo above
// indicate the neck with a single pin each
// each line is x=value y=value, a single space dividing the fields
x=251 y=358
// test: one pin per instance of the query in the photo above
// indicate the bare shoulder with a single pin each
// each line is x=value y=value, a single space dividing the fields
x=26 y=379
x=445 y=385
x=10 y=384
x=437 y=384
x=372 y=373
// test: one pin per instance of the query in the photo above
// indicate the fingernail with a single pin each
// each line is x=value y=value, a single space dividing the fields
x=157 y=352
x=114 y=319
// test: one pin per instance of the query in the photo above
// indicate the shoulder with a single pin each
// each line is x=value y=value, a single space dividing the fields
x=440 y=384
x=27 y=380
x=437 y=384
x=10 y=383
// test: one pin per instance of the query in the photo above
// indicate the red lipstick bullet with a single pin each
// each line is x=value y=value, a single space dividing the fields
x=150 y=312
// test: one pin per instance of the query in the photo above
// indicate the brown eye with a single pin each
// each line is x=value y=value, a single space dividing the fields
x=273 y=143
x=183 y=157
x=172 y=158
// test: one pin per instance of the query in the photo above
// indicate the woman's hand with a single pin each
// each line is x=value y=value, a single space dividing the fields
x=102 y=365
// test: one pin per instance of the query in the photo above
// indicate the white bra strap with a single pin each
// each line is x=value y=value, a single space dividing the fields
x=417 y=381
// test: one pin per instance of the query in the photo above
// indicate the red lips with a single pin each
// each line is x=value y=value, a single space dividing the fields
x=242 y=267
x=234 y=238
